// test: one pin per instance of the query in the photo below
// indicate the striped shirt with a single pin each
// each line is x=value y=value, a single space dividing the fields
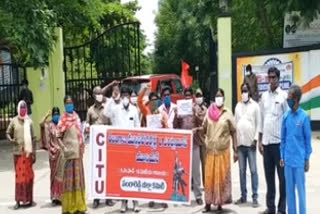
x=273 y=105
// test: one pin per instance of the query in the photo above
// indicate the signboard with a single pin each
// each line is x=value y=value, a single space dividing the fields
x=297 y=32
x=140 y=164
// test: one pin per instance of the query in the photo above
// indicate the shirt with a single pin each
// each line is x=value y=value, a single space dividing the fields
x=16 y=132
x=200 y=112
x=253 y=83
x=109 y=108
x=273 y=105
x=218 y=133
x=125 y=118
x=96 y=116
x=295 y=147
x=169 y=113
x=247 y=116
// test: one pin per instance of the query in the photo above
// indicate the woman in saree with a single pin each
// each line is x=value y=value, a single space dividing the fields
x=20 y=133
x=72 y=144
x=219 y=128
x=56 y=160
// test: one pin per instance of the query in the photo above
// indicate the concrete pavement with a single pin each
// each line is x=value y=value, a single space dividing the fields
x=42 y=190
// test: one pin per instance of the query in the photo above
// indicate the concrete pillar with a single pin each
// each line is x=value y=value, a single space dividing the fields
x=225 y=58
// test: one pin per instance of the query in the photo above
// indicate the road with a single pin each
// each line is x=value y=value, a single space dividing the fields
x=42 y=178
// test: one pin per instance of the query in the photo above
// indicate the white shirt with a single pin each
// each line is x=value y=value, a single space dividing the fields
x=110 y=108
x=247 y=116
x=170 y=114
x=272 y=106
x=121 y=117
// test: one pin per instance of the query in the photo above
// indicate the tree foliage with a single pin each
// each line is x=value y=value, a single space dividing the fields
x=183 y=28
x=27 y=25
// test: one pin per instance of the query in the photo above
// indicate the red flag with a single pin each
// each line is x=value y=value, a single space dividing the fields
x=186 y=79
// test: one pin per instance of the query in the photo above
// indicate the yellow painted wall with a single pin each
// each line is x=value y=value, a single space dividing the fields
x=224 y=59
x=47 y=84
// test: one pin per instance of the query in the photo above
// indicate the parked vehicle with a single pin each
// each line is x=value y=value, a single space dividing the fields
x=158 y=82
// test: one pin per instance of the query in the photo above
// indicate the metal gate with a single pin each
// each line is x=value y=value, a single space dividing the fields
x=11 y=76
x=112 y=55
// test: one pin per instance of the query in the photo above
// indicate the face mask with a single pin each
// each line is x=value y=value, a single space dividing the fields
x=99 y=98
x=56 y=118
x=219 y=101
x=167 y=101
x=23 y=112
x=245 y=97
x=290 y=103
x=69 y=108
x=248 y=73
x=159 y=103
x=134 y=100
x=125 y=102
x=199 y=100
x=153 y=105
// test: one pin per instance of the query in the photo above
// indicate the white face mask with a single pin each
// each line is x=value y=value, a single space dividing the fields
x=125 y=101
x=219 y=101
x=248 y=73
x=199 y=100
x=99 y=98
x=245 y=97
x=134 y=100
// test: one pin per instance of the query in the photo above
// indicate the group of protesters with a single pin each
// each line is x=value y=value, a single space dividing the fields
x=274 y=124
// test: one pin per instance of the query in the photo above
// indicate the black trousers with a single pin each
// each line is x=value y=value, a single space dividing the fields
x=271 y=162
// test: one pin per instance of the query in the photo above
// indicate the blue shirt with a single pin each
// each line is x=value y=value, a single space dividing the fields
x=295 y=147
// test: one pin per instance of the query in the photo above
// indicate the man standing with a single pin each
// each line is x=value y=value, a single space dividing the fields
x=124 y=115
x=26 y=95
x=188 y=122
x=251 y=79
x=273 y=105
x=168 y=107
x=247 y=116
x=295 y=150
x=95 y=116
x=200 y=112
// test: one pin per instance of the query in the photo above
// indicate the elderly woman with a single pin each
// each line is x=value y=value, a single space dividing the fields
x=56 y=160
x=218 y=127
x=71 y=141
x=20 y=133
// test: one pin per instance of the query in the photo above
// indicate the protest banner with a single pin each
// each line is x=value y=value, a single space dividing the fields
x=154 y=121
x=140 y=164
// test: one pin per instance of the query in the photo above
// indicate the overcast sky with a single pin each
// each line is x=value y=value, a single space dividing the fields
x=146 y=16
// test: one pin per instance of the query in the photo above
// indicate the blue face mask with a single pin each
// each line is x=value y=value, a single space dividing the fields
x=159 y=103
x=290 y=103
x=56 y=118
x=167 y=101
x=69 y=108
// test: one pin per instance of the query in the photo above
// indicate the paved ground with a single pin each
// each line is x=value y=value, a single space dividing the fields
x=41 y=189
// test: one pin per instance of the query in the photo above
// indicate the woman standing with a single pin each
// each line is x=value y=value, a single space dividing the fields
x=20 y=133
x=56 y=160
x=218 y=127
x=71 y=142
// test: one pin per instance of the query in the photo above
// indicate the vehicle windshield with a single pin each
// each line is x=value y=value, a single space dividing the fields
x=136 y=85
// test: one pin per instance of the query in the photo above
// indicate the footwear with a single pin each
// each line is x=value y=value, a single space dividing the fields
x=151 y=204
x=267 y=211
x=96 y=203
x=240 y=201
x=199 y=201
x=164 y=205
x=207 y=208
x=17 y=206
x=109 y=202
x=279 y=212
x=255 y=204
x=31 y=204
x=219 y=208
